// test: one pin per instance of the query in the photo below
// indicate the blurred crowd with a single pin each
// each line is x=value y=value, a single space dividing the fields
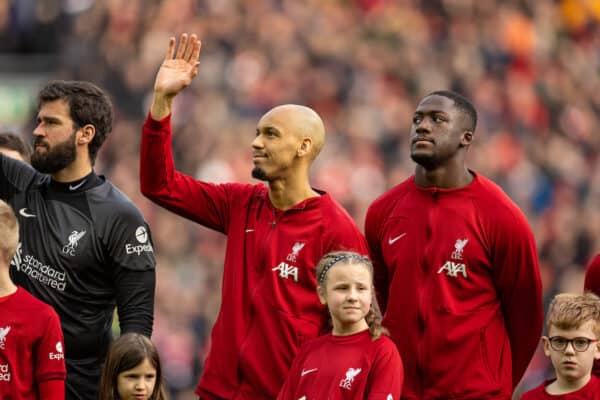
x=531 y=67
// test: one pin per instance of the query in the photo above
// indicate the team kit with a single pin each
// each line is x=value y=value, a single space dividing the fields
x=440 y=298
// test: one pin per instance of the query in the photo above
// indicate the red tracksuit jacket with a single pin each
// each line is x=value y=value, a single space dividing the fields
x=592 y=283
x=458 y=278
x=345 y=367
x=269 y=304
x=591 y=391
x=31 y=348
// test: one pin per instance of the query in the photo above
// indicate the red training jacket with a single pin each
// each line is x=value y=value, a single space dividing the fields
x=591 y=391
x=458 y=278
x=32 y=359
x=345 y=367
x=269 y=304
x=592 y=284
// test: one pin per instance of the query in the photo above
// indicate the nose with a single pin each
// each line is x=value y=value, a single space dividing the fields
x=257 y=143
x=569 y=349
x=38 y=131
x=424 y=126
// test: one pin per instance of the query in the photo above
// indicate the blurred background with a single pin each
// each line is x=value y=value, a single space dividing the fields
x=531 y=67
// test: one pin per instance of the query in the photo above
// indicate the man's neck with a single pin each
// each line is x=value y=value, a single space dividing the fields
x=73 y=172
x=284 y=195
x=443 y=177
x=563 y=386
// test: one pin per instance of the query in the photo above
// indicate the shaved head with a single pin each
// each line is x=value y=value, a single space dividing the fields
x=301 y=121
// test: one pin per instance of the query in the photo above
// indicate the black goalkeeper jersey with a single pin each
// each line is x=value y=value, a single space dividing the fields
x=84 y=249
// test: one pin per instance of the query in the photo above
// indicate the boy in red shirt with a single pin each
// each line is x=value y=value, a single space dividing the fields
x=32 y=363
x=573 y=327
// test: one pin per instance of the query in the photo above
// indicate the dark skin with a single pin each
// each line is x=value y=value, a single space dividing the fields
x=440 y=136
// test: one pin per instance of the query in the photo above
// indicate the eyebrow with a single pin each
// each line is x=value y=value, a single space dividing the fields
x=47 y=118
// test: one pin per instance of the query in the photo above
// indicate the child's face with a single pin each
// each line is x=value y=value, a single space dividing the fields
x=137 y=383
x=347 y=293
x=570 y=364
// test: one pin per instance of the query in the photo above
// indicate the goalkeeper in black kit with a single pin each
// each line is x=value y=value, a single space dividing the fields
x=85 y=247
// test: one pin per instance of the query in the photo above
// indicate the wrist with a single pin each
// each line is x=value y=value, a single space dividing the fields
x=161 y=106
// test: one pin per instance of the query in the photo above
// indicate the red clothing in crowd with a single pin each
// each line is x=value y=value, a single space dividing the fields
x=32 y=362
x=592 y=284
x=459 y=285
x=345 y=367
x=591 y=391
x=269 y=304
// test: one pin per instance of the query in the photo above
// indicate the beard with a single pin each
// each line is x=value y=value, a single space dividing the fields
x=56 y=158
x=260 y=174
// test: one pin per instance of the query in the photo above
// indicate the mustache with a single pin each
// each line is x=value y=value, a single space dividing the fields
x=40 y=142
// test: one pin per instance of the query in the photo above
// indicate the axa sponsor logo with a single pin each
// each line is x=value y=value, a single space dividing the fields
x=59 y=355
x=73 y=242
x=286 y=271
x=4 y=373
x=141 y=235
x=347 y=382
x=453 y=269
x=3 y=332
x=295 y=250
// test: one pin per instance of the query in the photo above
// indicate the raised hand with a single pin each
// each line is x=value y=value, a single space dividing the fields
x=175 y=73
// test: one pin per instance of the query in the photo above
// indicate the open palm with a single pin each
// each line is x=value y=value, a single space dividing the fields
x=178 y=70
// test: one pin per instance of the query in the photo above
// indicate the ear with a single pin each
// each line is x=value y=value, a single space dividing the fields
x=86 y=134
x=597 y=351
x=305 y=147
x=321 y=293
x=547 y=349
x=467 y=139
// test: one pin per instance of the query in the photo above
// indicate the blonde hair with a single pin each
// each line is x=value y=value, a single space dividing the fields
x=373 y=317
x=9 y=232
x=570 y=311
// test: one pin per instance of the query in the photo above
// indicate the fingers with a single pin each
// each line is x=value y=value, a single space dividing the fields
x=196 y=52
x=190 y=47
x=182 y=44
x=171 y=48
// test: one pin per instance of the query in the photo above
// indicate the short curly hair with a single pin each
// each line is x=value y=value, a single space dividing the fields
x=570 y=311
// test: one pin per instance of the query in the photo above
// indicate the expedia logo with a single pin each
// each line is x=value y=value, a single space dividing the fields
x=141 y=234
x=57 y=356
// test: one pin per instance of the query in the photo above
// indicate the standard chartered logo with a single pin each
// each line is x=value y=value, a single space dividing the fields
x=4 y=373
x=43 y=273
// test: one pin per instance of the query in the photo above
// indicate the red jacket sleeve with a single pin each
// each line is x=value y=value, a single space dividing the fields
x=380 y=278
x=52 y=390
x=387 y=373
x=49 y=352
x=288 y=390
x=592 y=284
x=518 y=283
x=202 y=202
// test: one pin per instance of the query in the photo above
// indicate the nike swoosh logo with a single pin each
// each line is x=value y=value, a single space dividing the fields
x=23 y=212
x=308 y=371
x=249 y=230
x=393 y=240
x=80 y=184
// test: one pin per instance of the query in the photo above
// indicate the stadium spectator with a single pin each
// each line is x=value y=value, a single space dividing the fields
x=276 y=235
x=84 y=246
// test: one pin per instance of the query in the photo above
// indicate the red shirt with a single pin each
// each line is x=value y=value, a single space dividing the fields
x=345 y=367
x=458 y=279
x=591 y=391
x=269 y=304
x=31 y=347
x=592 y=284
